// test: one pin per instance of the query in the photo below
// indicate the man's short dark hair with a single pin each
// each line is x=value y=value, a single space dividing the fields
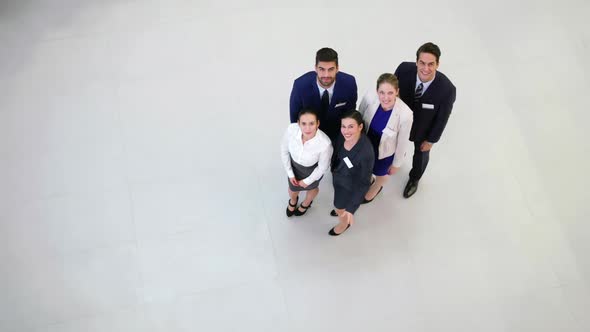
x=429 y=48
x=326 y=54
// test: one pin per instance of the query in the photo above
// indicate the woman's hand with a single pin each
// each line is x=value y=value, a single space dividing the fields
x=294 y=181
x=302 y=184
x=392 y=170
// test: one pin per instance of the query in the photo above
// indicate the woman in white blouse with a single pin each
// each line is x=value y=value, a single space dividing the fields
x=306 y=153
x=389 y=121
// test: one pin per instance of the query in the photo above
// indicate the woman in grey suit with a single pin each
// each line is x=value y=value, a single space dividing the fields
x=352 y=165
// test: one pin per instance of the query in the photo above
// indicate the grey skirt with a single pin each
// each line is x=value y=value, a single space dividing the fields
x=301 y=172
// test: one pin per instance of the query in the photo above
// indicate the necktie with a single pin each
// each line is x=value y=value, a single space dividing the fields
x=325 y=101
x=418 y=92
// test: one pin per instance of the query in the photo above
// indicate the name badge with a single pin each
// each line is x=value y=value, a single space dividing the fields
x=347 y=162
x=341 y=104
x=428 y=106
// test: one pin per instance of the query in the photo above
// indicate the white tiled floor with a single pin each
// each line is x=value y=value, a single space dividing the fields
x=141 y=187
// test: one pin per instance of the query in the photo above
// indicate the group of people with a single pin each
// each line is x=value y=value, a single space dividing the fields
x=363 y=147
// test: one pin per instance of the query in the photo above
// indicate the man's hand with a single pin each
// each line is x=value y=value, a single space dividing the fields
x=425 y=146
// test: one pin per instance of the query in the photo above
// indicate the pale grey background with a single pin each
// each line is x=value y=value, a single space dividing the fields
x=141 y=187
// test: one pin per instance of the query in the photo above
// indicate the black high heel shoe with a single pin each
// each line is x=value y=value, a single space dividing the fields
x=289 y=212
x=299 y=213
x=365 y=201
x=333 y=213
x=331 y=232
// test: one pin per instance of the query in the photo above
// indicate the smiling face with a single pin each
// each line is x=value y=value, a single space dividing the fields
x=350 y=129
x=309 y=125
x=326 y=73
x=427 y=66
x=387 y=95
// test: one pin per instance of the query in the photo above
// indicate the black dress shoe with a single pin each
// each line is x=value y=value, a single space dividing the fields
x=333 y=213
x=289 y=212
x=331 y=232
x=411 y=188
x=365 y=201
x=297 y=212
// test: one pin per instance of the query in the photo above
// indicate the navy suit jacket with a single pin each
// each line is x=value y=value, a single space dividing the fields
x=429 y=121
x=305 y=94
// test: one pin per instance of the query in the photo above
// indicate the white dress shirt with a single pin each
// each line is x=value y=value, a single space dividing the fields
x=330 y=89
x=316 y=150
x=425 y=85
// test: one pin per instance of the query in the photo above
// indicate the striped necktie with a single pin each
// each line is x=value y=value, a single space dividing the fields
x=419 y=91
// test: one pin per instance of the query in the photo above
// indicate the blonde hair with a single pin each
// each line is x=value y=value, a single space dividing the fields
x=388 y=78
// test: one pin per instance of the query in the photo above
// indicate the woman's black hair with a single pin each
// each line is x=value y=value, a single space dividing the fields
x=356 y=116
x=308 y=111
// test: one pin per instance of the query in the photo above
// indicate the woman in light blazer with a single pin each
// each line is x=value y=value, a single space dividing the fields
x=389 y=121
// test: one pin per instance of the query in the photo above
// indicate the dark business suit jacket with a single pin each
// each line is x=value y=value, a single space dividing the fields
x=432 y=110
x=305 y=94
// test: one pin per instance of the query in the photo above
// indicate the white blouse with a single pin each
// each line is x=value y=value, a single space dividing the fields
x=316 y=150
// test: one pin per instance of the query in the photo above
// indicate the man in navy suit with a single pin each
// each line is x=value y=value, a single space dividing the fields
x=325 y=90
x=430 y=95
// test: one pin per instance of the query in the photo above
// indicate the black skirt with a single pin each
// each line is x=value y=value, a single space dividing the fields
x=346 y=199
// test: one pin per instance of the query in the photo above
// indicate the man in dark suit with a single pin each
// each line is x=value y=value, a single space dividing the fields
x=430 y=95
x=325 y=90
